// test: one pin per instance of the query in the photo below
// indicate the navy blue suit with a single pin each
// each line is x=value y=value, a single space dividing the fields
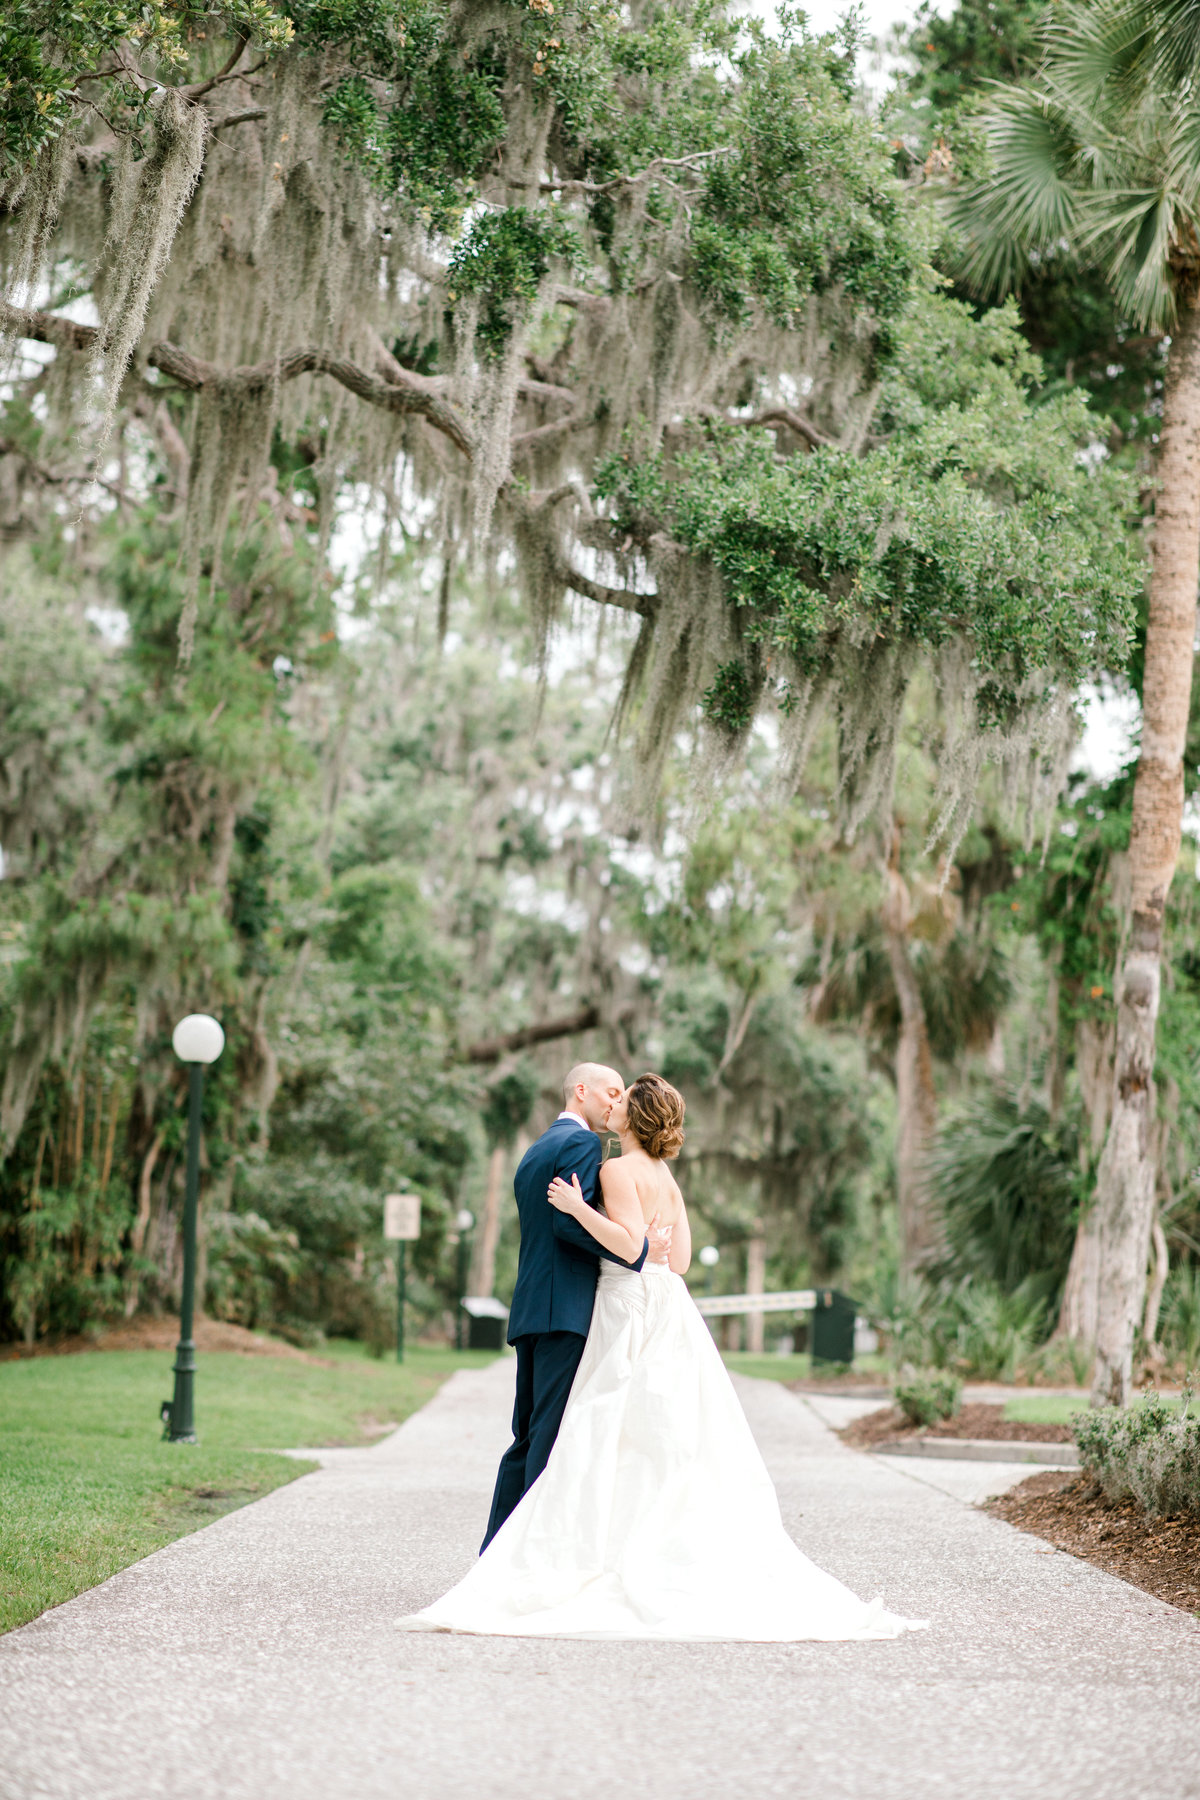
x=552 y=1303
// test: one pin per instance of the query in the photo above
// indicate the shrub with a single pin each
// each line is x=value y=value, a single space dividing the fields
x=1007 y=1180
x=1060 y=1362
x=251 y=1268
x=997 y=1332
x=1180 y=1317
x=1145 y=1453
x=928 y=1397
x=971 y=1326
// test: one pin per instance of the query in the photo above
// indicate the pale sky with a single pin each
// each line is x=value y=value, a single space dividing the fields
x=878 y=18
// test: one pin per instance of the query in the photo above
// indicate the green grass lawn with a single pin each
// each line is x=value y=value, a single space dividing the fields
x=1044 y=1409
x=1032 y=1408
x=87 y=1484
x=796 y=1368
x=1056 y=1409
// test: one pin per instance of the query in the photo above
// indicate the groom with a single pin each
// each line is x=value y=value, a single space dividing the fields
x=556 y=1279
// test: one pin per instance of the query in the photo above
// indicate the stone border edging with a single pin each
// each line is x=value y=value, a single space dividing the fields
x=1015 y=1450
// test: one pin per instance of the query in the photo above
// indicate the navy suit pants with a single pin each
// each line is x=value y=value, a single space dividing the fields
x=546 y=1365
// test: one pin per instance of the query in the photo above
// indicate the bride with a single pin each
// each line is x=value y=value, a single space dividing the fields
x=654 y=1516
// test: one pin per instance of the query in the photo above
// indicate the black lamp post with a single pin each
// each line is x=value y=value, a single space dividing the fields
x=464 y=1221
x=710 y=1256
x=197 y=1040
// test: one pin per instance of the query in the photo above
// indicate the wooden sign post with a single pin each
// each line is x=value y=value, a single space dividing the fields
x=401 y=1223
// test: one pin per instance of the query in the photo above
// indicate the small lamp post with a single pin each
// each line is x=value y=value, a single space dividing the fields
x=463 y=1221
x=196 y=1041
x=710 y=1256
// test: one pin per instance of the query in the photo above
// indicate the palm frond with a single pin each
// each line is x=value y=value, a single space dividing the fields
x=1101 y=54
x=1101 y=154
x=1177 y=38
x=1183 y=163
x=1026 y=204
x=1006 y=1180
x=1132 y=231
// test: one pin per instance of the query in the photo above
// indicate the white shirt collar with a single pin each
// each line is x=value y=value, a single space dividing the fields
x=575 y=1118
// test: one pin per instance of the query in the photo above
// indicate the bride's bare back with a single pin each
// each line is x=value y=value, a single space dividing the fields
x=656 y=1188
x=636 y=1187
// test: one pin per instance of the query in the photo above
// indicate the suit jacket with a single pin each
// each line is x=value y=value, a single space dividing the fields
x=559 y=1261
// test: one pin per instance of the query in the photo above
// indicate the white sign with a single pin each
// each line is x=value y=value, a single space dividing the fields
x=719 y=1305
x=402 y=1215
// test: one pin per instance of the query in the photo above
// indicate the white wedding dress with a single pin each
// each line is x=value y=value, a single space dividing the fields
x=655 y=1516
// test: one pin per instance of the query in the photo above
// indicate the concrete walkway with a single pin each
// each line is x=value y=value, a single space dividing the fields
x=259 y=1660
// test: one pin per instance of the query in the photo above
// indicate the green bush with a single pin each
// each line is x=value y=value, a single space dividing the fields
x=996 y=1331
x=1145 y=1453
x=1060 y=1362
x=251 y=1268
x=1006 y=1178
x=1180 y=1317
x=928 y=1397
x=971 y=1326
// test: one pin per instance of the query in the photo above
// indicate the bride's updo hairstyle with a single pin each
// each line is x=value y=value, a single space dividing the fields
x=656 y=1112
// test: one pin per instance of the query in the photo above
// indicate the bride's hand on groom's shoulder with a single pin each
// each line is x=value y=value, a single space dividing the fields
x=566 y=1197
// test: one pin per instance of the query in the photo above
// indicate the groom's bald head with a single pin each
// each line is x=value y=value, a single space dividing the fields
x=590 y=1089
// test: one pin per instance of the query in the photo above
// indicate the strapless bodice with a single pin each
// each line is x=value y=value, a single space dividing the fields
x=613 y=1275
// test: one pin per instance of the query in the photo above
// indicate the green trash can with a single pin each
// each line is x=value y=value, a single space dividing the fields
x=832 y=1335
x=487 y=1320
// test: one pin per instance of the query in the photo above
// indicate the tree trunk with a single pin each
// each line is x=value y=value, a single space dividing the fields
x=1078 y=1316
x=916 y=1099
x=142 y=1222
x=1154 y=1294
x=483 y=1264
x=1125 y=1190
x=756 y=1282
x=110 y=1140
x=1055 y=1071
x=1079 y=1313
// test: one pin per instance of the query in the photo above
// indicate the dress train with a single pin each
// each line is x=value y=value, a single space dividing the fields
x=655 y=1516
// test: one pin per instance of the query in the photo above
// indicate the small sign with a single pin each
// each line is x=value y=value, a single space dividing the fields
x=402 y=1216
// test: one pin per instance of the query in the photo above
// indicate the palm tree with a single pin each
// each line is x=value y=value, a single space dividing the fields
x=1101 y=152
x=925 y=991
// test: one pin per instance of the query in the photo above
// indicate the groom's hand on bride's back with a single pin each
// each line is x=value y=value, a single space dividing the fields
x=659 y=1239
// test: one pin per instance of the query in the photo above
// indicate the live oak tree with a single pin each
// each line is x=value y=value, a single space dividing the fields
x=1101 y=151
x=371 y=937
x=663 y=265
x=629 y=303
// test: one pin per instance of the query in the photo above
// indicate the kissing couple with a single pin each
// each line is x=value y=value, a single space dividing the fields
x=633 y=1501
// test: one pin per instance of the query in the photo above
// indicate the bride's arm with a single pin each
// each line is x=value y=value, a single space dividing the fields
x=623 y=1231
x=681 y=1243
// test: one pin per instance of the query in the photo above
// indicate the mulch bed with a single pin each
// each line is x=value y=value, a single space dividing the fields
x=1161 y=1556
x=977 y=1419
x=163 y=1334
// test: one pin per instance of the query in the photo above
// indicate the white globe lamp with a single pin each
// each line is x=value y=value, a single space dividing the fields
x=198 y=1039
